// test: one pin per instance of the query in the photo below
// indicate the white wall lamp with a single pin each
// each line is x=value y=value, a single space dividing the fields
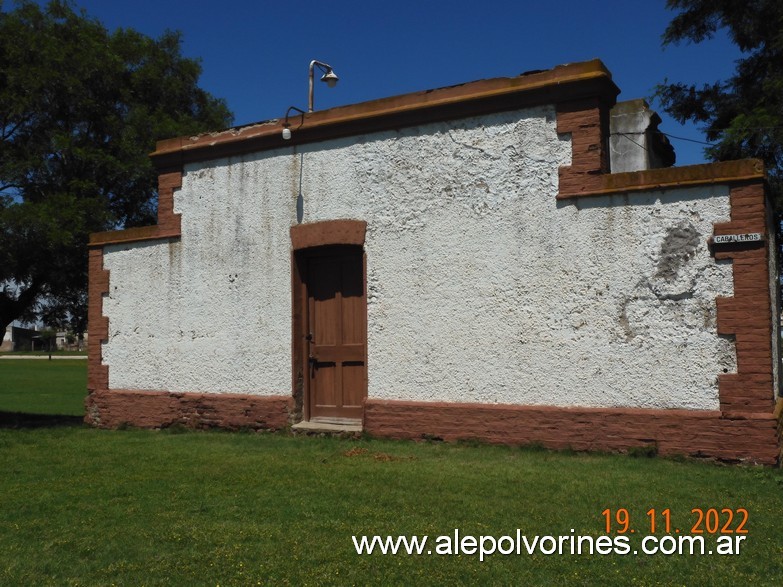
x=329 y=76
x=287 y=125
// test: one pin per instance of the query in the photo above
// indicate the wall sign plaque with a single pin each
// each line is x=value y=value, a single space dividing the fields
x=725 y=239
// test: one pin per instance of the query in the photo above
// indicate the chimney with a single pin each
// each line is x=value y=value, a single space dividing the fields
x=635 y=143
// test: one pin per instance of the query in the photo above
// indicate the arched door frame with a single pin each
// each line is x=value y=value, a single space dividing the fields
x=306 y=241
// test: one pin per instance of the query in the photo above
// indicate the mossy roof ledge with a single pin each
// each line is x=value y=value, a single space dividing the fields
x=573 y=81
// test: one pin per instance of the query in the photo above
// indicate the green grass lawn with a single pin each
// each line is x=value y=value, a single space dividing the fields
x=44 y=353
x=43 y=387
x=93 y=507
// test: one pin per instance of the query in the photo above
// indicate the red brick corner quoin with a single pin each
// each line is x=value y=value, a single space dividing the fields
x=748 y=314
x=98 y=324
x=98 y=286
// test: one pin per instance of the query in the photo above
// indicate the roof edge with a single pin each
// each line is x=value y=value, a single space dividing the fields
x=719 y=172
x=562 y=83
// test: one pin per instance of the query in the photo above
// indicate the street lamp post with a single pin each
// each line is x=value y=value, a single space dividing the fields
x=329 y=76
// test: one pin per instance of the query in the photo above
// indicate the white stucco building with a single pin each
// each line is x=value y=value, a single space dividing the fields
x=458 y=263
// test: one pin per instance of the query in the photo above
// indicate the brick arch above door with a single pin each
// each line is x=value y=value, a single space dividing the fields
x=328 y=232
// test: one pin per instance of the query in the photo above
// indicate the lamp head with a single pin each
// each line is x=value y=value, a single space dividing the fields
x=330 y=77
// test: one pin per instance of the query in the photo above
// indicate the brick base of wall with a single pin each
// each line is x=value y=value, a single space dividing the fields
x=739 y=437
x=160 y=409
x=750 y=438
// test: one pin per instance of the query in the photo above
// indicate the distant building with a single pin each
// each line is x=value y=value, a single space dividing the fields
x=17 y=338
x=68 y=341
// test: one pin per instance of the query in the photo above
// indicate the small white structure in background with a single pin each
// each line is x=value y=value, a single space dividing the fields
x=635 y=143
x=18 y=338
x=7 y=343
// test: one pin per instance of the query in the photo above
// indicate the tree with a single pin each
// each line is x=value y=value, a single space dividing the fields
x=80 y=109
x=742 y=116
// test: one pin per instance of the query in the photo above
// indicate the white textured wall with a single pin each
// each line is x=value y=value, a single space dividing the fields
x=481 y=287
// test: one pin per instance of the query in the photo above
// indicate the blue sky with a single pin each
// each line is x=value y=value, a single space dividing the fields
x=255 y=54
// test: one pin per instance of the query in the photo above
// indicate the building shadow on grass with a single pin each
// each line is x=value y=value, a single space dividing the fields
x=23 y=420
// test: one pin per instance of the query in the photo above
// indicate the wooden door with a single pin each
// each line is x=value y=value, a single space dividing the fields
x=336 y=340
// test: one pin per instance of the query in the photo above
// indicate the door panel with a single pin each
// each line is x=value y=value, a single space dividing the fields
x=337 y=335
x=324 y=382
x=353 y=384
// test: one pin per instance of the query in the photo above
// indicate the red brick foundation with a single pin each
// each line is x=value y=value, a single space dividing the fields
x=708 y=434
x=161 y=409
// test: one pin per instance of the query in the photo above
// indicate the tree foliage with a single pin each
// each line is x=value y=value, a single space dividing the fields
x=80 y=109
x=743 y=115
